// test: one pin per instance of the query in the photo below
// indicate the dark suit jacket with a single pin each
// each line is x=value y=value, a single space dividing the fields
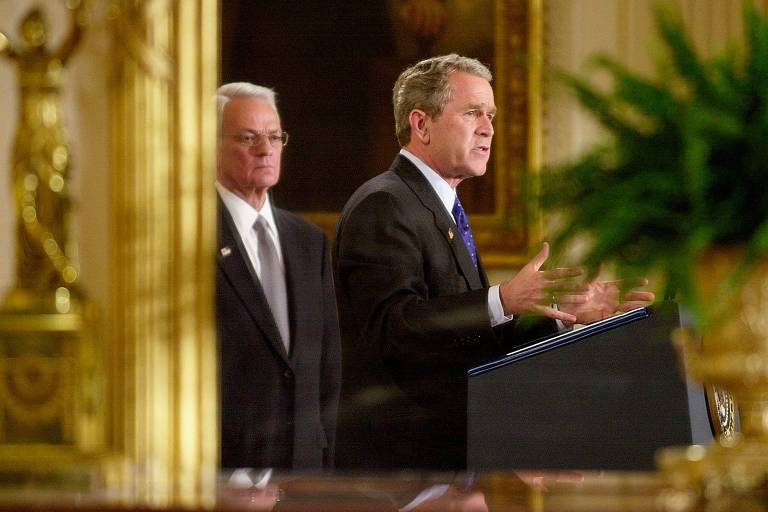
x=414 y=318
x=277 y=410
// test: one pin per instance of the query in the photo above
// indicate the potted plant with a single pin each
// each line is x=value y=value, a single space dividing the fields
x=679 y=189
x=686 y=164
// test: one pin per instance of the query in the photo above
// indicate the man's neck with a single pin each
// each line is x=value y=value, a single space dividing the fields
x=255 y=198
x=421 y=154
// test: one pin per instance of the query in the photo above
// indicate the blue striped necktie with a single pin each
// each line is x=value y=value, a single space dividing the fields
x=464 y=228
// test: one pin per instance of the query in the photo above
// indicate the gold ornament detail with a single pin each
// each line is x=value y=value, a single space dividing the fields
x=41 y=161
x=722 y=412
x=33 y=389
x=47 y=350
x=732 y=361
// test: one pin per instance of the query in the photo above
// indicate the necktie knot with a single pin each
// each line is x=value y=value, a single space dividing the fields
x=261 y=225
x=462 y=222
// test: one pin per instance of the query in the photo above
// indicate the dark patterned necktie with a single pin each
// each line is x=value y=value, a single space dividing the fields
x=466 y=231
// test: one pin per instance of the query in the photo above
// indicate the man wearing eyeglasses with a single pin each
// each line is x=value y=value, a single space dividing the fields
x=276 y=311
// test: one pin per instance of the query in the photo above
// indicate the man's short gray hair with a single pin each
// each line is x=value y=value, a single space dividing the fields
x=242 y=90
x=424 y=86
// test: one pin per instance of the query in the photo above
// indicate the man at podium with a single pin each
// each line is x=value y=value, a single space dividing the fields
x=416 y=309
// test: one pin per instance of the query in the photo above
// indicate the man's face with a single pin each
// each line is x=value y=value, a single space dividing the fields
x=460 y=138
x=242 y=168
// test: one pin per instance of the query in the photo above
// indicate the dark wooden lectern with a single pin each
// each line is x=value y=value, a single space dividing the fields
x=603 y=397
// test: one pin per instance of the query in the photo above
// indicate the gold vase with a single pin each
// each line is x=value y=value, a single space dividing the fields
x=732 y=356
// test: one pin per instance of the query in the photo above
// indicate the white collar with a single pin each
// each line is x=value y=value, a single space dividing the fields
x=444 y=191
x=243 y=214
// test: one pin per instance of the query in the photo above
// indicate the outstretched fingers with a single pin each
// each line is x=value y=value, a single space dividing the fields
x=639 y=296
x=541 y=257
x=569 y=298
x=636 y=300
x=557 y=274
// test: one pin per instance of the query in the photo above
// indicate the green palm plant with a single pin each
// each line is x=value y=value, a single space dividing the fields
x=685 y=166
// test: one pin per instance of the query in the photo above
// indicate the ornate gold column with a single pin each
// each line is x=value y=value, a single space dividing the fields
x=164 y=360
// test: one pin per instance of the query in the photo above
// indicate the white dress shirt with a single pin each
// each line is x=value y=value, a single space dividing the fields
x=244 y=215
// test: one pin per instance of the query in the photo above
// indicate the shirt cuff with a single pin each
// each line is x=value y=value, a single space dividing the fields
x=495 y=311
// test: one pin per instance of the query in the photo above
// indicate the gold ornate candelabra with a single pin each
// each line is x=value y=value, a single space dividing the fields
x=50 y=384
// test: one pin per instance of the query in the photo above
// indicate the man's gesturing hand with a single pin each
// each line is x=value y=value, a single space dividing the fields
x=531 y=291
x=604 y=299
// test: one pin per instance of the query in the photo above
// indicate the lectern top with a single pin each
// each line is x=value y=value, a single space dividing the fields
x=560 y=340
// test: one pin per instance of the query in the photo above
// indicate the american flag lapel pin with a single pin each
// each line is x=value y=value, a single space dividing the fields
x=225 y=251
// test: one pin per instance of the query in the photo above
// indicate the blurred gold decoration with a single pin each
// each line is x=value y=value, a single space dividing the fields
x=41 y=159
x=163 y=353
x=734 y=357
x=51 y=396
x=34 y=389
x=163 y=441
x=722 y=412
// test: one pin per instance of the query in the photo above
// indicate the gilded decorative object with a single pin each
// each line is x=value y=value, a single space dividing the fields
x=34 y=389
x=732 y=358
x=722 y=412
x=46 y=271
x=161 y=347
x=163 y=340
x=51 y=386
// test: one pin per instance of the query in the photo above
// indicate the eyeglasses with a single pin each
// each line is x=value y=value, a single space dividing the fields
x=251 y=139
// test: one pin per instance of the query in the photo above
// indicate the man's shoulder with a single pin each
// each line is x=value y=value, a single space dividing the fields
x=387 y=181
x=297 y=223
x=393 y=180
x=385 y=191
x=390 y=186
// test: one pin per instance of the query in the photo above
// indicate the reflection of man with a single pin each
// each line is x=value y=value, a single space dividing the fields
x=415 y=307
x=276 y=310
x=252 y=490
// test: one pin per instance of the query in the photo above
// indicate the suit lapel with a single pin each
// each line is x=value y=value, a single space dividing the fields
x=234 y=263
x=443 y=220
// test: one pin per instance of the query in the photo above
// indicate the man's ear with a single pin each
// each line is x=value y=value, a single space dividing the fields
x=419 y=125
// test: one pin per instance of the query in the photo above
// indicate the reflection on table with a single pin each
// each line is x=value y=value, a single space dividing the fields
x=407 y=491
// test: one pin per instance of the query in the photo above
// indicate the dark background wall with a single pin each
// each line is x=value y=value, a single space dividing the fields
x=333 y=64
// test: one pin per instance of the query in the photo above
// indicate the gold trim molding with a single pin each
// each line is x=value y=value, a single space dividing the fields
x=506 y=235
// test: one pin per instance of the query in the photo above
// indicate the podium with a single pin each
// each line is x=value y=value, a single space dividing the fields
x=606 y=396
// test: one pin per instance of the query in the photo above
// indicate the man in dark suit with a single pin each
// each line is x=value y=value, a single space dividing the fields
x=415 y=306
x=276 y=310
